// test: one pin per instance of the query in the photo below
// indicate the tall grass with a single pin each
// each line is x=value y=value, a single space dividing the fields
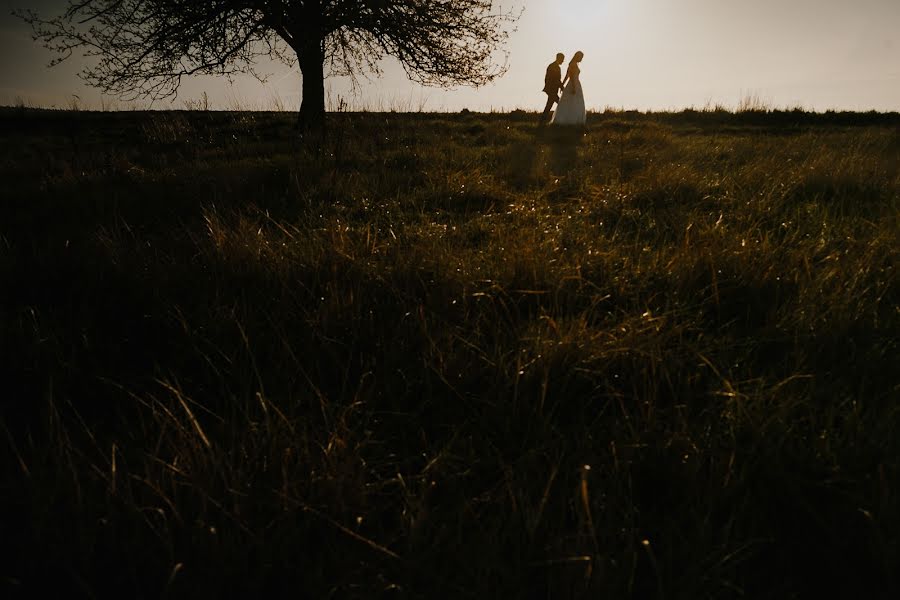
x=447 y=355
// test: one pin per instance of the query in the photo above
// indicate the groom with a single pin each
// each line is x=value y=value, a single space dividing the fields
x=552 y=85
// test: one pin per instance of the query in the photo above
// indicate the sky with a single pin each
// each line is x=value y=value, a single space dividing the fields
x=639 y=54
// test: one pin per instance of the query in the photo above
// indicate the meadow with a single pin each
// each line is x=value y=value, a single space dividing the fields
x=450 y=355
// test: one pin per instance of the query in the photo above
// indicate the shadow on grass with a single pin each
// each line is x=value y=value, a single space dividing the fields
x=563 y=143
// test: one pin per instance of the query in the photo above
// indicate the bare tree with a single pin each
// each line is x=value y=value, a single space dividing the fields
x=144 y=48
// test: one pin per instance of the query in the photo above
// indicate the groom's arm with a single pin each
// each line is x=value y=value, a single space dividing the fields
x=555 y=76
x=549 y=76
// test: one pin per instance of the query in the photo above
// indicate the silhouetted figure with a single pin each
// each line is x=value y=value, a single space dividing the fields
x=552 y=85
x=571 y=109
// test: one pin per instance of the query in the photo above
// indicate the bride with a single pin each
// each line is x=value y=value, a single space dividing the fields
x=570 y=110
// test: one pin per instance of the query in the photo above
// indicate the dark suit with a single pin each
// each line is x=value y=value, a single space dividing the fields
x=552 y=83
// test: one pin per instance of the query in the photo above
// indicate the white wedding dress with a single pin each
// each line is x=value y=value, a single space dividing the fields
x=570 y=110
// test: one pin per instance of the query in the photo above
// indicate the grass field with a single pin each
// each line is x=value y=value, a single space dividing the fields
x=433 y=356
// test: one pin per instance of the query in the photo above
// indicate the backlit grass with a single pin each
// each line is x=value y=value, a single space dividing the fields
x=450 y=355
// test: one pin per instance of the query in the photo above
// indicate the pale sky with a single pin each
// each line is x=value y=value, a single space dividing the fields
x=639 y=54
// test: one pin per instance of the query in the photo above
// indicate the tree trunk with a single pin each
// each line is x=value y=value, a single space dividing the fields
x=312 y=105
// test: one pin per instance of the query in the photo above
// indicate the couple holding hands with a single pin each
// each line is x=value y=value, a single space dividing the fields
x=570 y=109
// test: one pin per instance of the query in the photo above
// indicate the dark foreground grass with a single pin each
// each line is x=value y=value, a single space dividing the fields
x=449 y=356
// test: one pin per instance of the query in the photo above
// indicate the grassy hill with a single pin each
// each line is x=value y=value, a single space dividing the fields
x=434 y=356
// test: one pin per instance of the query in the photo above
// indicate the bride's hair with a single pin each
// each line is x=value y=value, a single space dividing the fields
x=577 y=57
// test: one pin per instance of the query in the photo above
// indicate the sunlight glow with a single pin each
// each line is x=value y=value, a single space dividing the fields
x=639 y=54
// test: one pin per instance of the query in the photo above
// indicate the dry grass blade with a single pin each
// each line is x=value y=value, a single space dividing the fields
x=187 y=409
x=349 y=532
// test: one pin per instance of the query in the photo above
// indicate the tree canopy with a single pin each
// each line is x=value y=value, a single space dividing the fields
x=144 y=48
